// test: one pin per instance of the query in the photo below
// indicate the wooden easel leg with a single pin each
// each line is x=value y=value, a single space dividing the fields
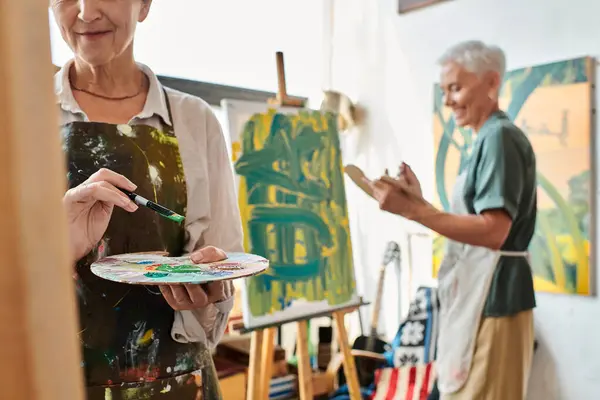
x=253 y=391
x=266 y=368
x=348 y=361
x=39 y=356
x=304 y=369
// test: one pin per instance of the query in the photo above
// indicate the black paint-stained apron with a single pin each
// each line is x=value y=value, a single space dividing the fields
x=128 y=352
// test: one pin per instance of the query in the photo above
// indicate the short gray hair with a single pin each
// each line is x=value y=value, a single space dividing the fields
x=476 y=57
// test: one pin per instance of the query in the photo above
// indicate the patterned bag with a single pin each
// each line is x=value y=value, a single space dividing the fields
x=416 y=340
x=404 y=383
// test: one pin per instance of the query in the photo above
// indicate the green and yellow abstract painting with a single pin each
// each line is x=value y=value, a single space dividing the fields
x=293 y=206
x=552 y=104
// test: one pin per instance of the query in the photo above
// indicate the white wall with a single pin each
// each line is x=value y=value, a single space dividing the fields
x=387 y=62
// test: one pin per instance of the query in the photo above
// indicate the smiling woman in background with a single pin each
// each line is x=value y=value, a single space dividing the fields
x=122 y=128
x=485 y=344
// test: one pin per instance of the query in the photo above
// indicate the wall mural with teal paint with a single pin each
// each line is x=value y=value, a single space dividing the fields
x=552 y=104
x=293 y=205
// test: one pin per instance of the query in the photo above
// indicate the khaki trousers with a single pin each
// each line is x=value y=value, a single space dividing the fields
x=502 y=360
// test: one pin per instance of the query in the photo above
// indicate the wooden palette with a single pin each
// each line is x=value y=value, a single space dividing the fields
x=158 y=269
x=357 y=176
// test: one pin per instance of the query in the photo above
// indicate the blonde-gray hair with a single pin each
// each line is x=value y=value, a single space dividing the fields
x=476 y=57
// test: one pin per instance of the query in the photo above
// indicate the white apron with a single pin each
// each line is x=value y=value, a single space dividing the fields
x=464 y=280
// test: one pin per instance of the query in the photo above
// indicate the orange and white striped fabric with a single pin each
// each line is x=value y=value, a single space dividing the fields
x=404 y=383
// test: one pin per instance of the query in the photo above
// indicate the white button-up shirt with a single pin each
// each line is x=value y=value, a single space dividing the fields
x=213 y=216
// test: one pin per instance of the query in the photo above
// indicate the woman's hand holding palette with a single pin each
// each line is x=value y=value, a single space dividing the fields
x=158 y=269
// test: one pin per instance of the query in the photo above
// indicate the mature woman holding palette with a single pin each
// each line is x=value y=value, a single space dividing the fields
x=123 y=131
x=485 y=283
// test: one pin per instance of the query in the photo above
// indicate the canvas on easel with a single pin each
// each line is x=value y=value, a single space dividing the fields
x=293 y=208
x=290 y=184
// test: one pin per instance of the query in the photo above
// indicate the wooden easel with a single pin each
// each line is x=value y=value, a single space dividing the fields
x=39 y=349
x=282 y=99
x=261 y=360
x=263 y=340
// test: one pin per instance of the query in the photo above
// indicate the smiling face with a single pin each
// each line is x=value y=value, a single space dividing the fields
x=471 y=97
x=98 y=31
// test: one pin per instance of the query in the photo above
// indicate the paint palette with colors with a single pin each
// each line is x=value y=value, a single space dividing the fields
x=157 y=269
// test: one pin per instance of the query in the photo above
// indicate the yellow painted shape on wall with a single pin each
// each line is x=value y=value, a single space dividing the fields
x=543 y=285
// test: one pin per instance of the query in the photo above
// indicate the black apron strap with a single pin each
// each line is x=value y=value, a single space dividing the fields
x=169 y=108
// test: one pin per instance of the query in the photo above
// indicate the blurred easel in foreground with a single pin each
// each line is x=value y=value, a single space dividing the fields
x=39 y=350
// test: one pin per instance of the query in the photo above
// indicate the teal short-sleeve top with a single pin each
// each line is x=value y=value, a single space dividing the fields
x=502 y=175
